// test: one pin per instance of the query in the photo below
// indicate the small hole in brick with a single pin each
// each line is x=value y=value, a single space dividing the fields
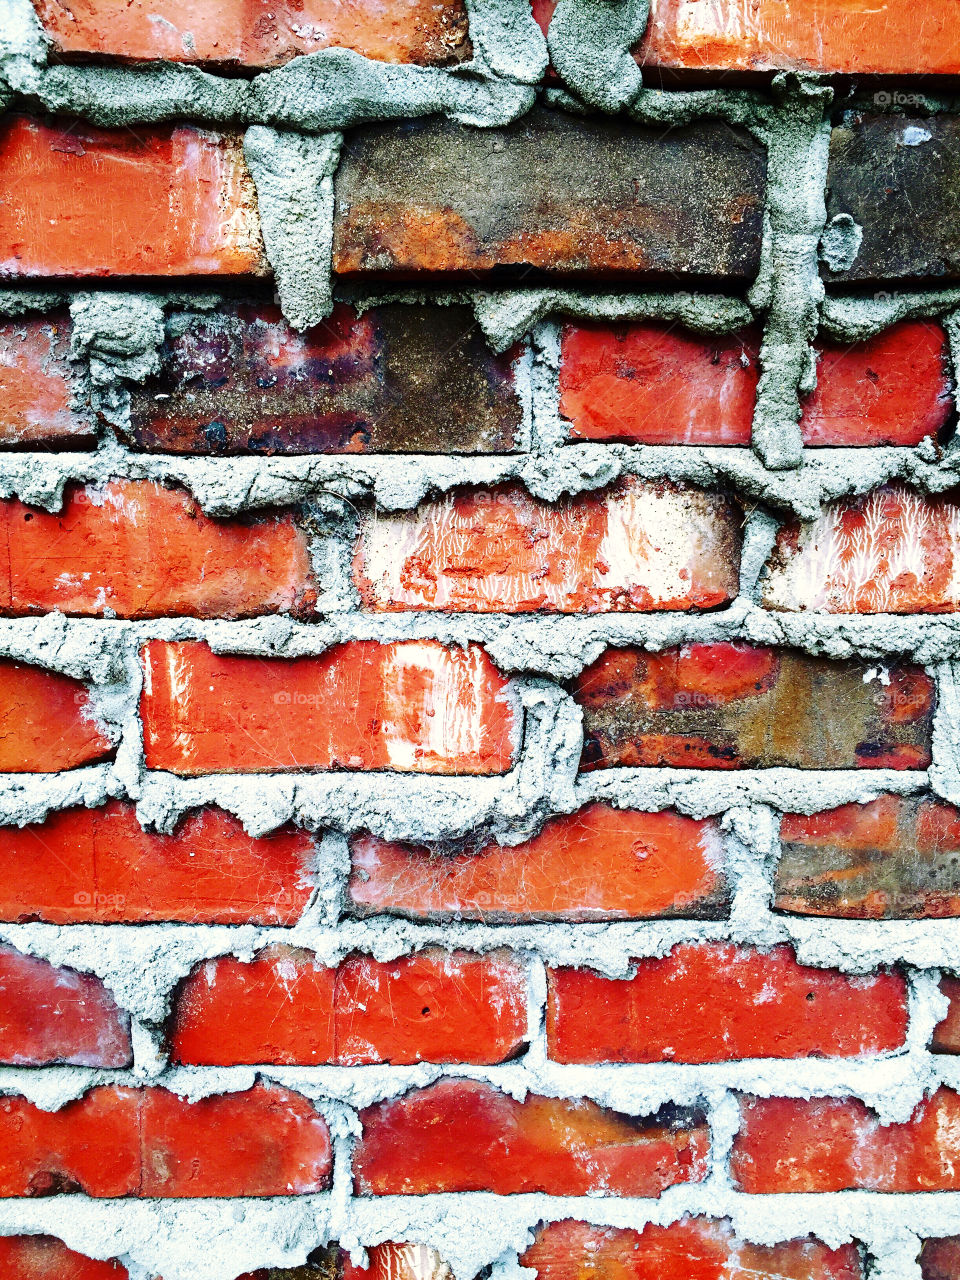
x=425 y=1010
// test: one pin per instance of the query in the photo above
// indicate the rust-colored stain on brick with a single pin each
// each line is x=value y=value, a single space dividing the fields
x=601 y=863
x=284 y=1007
x=254 y=35
x=461 y=1135
x=47 y=1258
x=396 y=379
x=47 y=722
x=639 y=546
x=413 y=706
x=99 y=866
x=734 y=706
x=158 y=201
x=430 y=196
x=895 y=858
x=41 y=394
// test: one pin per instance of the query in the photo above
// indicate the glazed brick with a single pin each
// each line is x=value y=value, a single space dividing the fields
x=413 y=706
x=700 y=1248
x=135 y=549
x=834 y=1144
x=99 y=866
x=733 y=706
x=892 y=389
x=117 y=1141
x=57 y=1015
x=888 y=551
x=895 y=858
x=651 y=383
x=435 y=196
x=47 y=722
x=235 y=33
x=394 y=379
x=716 y=1003
x=640 y=546
x=42 y=399
x=940 y=1258
x=46 y=1258
x=285 y=1008
x=946 y=1034
x=156 y=201
x=461 y=1135
x=600 y=863
x=897 y=177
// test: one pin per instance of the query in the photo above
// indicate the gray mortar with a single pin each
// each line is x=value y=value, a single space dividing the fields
x=506 y=39
x=590 y=45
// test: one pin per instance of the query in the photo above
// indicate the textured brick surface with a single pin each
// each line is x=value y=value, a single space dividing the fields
x=47 y=1258
x=460 y=1135
x=42 y=399
x=598 y=864
x=413 y=707
x=47 y=722
x=638 y=546
x=730 y=706
x=437 y=196
x=164 y=201
x=946 y=1034
x=396 y=379
x=940 y=1258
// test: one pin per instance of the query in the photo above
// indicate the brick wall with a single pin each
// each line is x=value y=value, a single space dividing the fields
x=480 y=753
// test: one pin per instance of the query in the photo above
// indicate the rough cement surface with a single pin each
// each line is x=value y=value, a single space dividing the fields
x=590 y=45
x=507 y=40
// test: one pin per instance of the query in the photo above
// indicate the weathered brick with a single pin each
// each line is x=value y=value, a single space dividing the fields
x=396 y=379
x=47 y=722
x=640 y=546
x=833 y=1144
x=284 y=1007
x=117 y=1141
x=940 y=1258
x=387 y=1261
x=42 y=401
x=100 y=866
x=58 y=1015
x=136 y=549
x=600 y=863
x=892 y=389
x=688 y=1249
x=946 y=1034
x=898 y=177
x=651 y=383
x=234 y=32
x=732 y=706
x=435 y=196
x=715 y=1003
x=156 y=201
x=412 y=706
x=47 y=1258
x=895 y=858
x=461 y=1135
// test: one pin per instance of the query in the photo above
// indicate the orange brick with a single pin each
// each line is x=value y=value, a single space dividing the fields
x=47 y=722
x=40 y=392
x=139 y=550
x=412 y=706
x=155 y=201
x=46 y=1258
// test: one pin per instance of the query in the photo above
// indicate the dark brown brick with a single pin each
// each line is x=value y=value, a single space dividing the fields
x=898 y=177
x=732 y=706
x=396 y=379
x=550 y=192
x=940 y=1258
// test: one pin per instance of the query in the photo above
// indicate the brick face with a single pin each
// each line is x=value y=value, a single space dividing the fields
x=46 y=1258
x=41 y=392
x=47 y=722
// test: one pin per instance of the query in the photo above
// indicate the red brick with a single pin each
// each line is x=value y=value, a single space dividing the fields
x=639 y=546
x=460 y=1135
x=834 y=1144
x=601 y=863
x=155 y=201
x=716 y=1002
x=891 y=859
x=412 y=706
x=888 y=551
x=651 y=383
x=99 y=866
x=689 y=1249
x=46 y=1258
x=940 y=1258
x=384 y=1262
x=234 y=32
x=733 y=706
x=139 y=550
x=57 y=1015
x=285 y=1008
x=394 y=379
x=892 y=389
x=47 y=722
x=115 y=1142
x=946 y=1034
x=41 y=397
